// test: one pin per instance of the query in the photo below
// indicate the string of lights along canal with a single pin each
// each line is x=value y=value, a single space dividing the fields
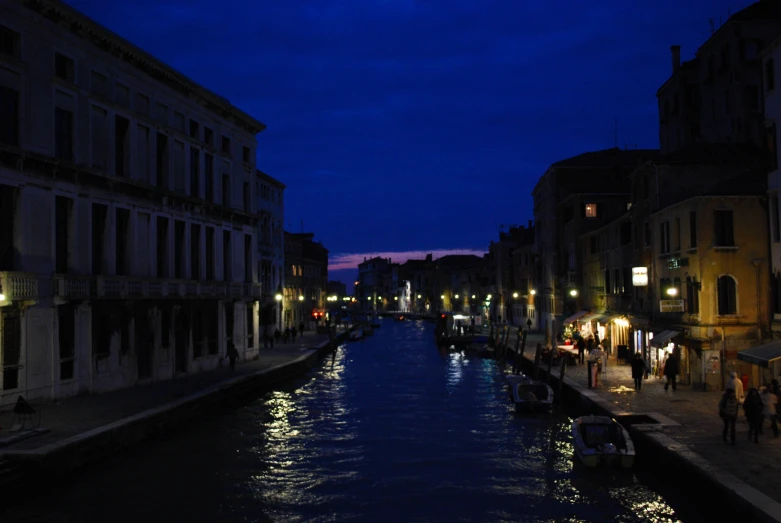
x=388 y=429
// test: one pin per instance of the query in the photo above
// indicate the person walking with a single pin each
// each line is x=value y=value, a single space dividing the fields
x=735 y=384
x=232 y=354
x=581 y=350
x=638 y=370
x=671 y=372
x=769 y=402
x=752 y=407
x=728 y=410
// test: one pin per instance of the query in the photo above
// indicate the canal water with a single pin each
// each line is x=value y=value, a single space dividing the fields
x=389 y=429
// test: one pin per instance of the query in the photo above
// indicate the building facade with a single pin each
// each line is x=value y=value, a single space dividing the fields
x=128 y=220
x=269 y=194
x=305 y=280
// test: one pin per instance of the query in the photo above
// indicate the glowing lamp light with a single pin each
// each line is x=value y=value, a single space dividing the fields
x=395 y=298
x=456 y=296
x=488 y=297
x=573 y=292
x=532 y=292
x=515 y=295
x=672 y=291
x=442 y=297
x=278 y=297
x=473 y=296
x=2 y=297
x=379 y=297
x=418 y=296
x=300 y=298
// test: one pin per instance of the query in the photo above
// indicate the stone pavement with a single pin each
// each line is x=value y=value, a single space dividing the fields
x=80 y=414
x=700 y=428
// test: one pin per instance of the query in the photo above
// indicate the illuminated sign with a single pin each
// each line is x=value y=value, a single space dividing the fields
x=640 y=276
x=670 y=305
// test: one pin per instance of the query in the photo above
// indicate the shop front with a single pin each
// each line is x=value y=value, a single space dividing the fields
x=766 y=361
x=661 y=348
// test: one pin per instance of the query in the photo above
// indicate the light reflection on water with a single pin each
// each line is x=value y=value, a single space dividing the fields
x=389 y=429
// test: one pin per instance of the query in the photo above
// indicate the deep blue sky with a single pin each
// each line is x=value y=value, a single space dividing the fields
x=406 y=125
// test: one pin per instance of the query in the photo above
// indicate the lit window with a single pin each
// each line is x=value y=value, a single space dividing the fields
x=591 y=210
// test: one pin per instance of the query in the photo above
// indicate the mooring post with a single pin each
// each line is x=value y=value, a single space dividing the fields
x=537 y=360
x=561 y=375
x=550 y=363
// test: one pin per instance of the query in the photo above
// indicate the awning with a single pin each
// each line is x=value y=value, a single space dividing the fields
x=762 y=355
x=609 y=317
x=661 y=339
x=575 y=317
x=591 y=316
x=639 y=321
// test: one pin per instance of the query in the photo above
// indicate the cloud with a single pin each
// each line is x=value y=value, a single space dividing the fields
x=340 y=262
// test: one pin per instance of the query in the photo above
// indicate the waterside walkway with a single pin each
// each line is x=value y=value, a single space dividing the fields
x=691 y=427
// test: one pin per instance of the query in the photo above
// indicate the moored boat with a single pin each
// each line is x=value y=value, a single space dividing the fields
x=600 y=441
x=356 y=335
x=530 y=396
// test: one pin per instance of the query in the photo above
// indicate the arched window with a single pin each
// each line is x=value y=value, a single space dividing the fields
x=727 y=289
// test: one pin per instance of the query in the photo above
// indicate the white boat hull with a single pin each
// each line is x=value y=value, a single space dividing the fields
x=601 y=441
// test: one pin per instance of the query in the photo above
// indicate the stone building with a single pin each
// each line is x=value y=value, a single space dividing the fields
x=305 y=280
x=127 y=220
x=269 y=194
x=716 y=97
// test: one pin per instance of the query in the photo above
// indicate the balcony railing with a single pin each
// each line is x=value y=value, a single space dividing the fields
x=25 y=286
x=19 y=285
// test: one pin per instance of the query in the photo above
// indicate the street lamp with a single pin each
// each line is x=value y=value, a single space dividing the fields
x=515 y=295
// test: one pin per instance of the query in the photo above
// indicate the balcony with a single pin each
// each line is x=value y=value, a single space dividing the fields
x=19 y=285
x=115 y=287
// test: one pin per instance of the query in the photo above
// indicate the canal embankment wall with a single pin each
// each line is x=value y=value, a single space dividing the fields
x=661 y=454
x=48 y=462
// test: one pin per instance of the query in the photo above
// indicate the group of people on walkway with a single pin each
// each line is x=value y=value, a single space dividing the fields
x=640 y=372
x=288 y=335
x=758 y=405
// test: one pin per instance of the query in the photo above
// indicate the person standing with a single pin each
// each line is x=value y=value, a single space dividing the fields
x=638 y=370
x=728 y=410
x=752 y=407
x=737 y=385
x=769 y=402
x=528 y=324
x=671 y=372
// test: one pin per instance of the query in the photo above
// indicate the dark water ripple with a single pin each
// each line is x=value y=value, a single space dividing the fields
x=390 y=429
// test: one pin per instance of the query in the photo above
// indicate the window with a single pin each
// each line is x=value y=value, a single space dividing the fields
x=194 y=129
x=227 y=268
x=12 y=347
x=161 y=113
x=774 y=210
x=677 y=234
x=9 y=42
x=245 y=154
x=178 y=121
x=179 y=174
x=122 y=252
x=63 y=134
x=226 y=190
x=208 y=137
x=625 y=233
x=772 y=149
x=99 y=219
x=693 y=229
x=594 y=244
x=724 y=229
x=752 y=97
x=162 y=252
x=63 y=211
x=66 y=316
x=63 y=67
x=727 y=290
x=692 y=296
x=180 y=256
x=161 y=161
x=98 y=84
x=195 y=252
x=121 y=146
x=142 y=104
x=770 y=75
x=8 y=230
x=195 y=172
x=226 y=145
x=664 y=238
x=247 y=198
x=143 y=148
x=98 y=138
x=122 y=94
x=210 y=251
x=591 y=210
x=209 y=177
x=9 y=116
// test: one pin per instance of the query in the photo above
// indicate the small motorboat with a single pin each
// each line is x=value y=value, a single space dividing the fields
x=600 y=441
x=356 y=335
x=529 y=396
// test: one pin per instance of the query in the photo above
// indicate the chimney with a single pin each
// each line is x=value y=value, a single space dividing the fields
x=676 y=50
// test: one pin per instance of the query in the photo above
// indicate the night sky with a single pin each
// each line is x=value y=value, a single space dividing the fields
x=421 y=125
